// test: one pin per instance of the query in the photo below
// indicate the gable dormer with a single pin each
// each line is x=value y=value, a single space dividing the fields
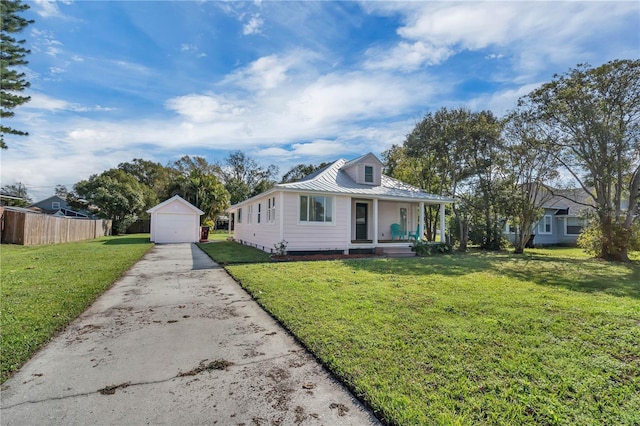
x=366 y=170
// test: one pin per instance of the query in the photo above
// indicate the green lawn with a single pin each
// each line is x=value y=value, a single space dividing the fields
x=219 y=235
x=43 y=288
x=550 y=337
x=229 y=252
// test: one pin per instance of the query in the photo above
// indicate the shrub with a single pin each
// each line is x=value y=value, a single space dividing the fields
x=423 y=248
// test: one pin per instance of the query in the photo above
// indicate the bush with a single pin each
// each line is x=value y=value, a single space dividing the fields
x=592 y=239
x=423 y=248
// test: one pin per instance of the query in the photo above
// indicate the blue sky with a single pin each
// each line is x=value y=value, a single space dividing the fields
x=286 y=82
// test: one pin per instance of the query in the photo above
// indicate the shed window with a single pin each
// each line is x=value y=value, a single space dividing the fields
x=314 y=208
x=368 y=174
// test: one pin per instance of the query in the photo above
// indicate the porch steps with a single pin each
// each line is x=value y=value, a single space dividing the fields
x=399 y=251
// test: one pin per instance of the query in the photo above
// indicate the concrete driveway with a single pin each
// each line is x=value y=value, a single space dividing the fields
x=176 y=341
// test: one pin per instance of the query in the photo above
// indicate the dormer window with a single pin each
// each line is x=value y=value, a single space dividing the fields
x=368 y=174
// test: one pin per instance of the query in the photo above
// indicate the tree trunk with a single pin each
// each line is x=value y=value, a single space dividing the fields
x=464 y=234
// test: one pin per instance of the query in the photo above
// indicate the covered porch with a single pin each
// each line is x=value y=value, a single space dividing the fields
x=382 y=223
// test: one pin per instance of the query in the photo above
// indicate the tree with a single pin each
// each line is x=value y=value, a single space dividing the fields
x=12 y=55
x=244 y=178
x=591 y=119
x=456 y=153
x=300 y=171
x=530 y=169
x=61 y=191
x=18 y=194
x=114 y=195
x=154 y=175
x=195 y=180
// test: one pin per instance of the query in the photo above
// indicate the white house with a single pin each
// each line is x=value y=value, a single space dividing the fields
x=346 y=207
x=175 y=221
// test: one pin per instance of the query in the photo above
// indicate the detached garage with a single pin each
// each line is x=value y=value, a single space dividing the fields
x=175 y=221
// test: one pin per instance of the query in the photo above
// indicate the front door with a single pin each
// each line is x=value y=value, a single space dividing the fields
x=362 y=221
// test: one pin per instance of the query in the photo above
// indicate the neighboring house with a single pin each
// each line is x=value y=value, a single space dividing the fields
x=345 y=207
x=561 y=222
x=57 y=206
x=175 y=221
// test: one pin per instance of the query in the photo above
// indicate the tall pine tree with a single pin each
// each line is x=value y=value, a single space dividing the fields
x=12 y=54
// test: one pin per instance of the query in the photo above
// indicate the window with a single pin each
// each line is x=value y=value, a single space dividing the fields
x=55 y=204
x=368 y=174
x=573 y=226
x=240 y=215
x=259 y=211
x=315 y=208
x=544 y=226
x=250 y=213
x=271 y=210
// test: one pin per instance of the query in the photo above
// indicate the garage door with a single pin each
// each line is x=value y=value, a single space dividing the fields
x=175 y=228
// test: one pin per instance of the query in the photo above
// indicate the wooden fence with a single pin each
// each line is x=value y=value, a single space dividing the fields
x=33 y=229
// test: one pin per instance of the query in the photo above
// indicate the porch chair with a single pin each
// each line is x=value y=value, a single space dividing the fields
x=415 y=235
x=396 y=231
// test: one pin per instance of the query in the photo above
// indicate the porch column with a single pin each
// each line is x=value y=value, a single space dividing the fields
x=280 y=210
x=375 y=221
x=442 y=224
x=349 y=220
x=421 y=227
x=229 y=224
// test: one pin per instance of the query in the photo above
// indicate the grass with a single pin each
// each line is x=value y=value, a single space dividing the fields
x=550 y=337
x=219 y=235
x=229 y=252
x=46 y=287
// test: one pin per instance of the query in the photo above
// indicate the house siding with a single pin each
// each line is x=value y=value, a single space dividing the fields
x=261 y=235
x=310 y=236
x=558 y=232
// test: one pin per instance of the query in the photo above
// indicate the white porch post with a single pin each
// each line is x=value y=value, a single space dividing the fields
x=280 y=209
x=442 y=224
x=229 y=224
x=375 y=221
x=349 y=219
x=421 y=227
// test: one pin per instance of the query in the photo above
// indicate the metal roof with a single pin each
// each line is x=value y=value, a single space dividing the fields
x=333 y=180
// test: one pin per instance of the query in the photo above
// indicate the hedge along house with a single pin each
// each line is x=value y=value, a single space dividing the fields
x=346 y=207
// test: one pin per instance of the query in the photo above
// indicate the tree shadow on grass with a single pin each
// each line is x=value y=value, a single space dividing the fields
x=580 y=275
x=457 y=264
x=126 y=240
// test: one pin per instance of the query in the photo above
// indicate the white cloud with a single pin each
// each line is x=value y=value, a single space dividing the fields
x=204 y=108
x=42 y=102
x=503 y=101
x=407 y=56
x=46 y=41
x=254 y=26
x=265 y=73
x=535 y=33
x=47 y=8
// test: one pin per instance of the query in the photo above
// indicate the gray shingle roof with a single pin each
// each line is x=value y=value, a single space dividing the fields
x=332 y=179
